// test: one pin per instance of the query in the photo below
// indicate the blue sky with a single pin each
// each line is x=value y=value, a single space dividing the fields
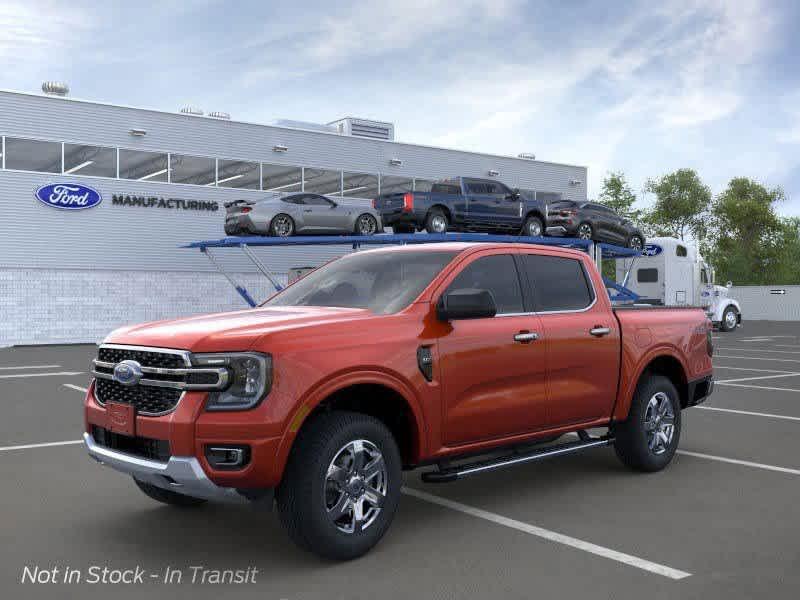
x=641 y=87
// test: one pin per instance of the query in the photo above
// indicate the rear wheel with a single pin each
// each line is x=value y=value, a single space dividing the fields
x=437 y=221
x=168 y=496
x=341 y=486
x=533 y=227
x=730 y=319
x=585 y=231
x=282 y=225
x=366 y=224
x=647 y=440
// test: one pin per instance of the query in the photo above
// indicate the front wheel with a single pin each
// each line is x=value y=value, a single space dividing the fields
x=282 y=226
x=648 y=439
x=533 y=227
x=436 y=222
x=730 y=319
x=366 y=224
x=635 y=242
x=341 y=486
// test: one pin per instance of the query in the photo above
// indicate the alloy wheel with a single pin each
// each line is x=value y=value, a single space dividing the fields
x=585 y=231
x=730 y=319
x=282 y=226
x=355 y=486
x=659 y=423
x=534 y=228
x=366 y=225
x=439 y=224
x=635 y=243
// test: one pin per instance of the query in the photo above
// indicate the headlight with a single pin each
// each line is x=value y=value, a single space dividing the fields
x=250 y=379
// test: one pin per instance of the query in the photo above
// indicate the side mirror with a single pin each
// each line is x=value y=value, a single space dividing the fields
x=333 y=204
x=514 y=195
x=467 y=303
x=729 y=285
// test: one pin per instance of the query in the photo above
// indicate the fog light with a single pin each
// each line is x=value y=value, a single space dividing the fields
x=228 y=457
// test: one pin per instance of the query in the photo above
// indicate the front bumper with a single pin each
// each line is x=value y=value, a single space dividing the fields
x=181 y=474
x=699 y=390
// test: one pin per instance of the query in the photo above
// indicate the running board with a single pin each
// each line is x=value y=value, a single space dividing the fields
x=461 y=471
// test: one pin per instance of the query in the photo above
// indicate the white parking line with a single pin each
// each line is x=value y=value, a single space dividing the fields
x=792 y=360
x=552 y=536
x=749 y=413
x=19 y=375
x=757 y=350
x=30 y=367
x=76 y=387
x=756 y=378
x=748 y=369
x=45 y=445
x=758 y=387
x=786 y=345
x=736 y=461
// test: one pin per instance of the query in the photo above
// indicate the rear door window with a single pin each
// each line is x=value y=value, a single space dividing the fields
x=498 y=275
x=558 y=284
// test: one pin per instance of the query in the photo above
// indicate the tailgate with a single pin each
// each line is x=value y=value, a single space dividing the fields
x=389 y=203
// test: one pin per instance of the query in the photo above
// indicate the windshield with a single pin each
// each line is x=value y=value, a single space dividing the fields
x=383 y=282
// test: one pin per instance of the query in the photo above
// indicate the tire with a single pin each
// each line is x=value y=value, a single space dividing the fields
x=730 y=319
x=436 y=221
x=533 y=227
x=403 y=228
x=635 y=242
x=231 y=230
x=282 y=225
x=308 y=496
x=366 y=224
x=585 y=231
x=635 y=446
x=167 y=496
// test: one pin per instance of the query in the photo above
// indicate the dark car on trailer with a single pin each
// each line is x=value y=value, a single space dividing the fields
x=593 y=221
x=464 y=204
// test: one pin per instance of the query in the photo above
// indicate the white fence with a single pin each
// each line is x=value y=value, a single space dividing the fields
x=768 y=302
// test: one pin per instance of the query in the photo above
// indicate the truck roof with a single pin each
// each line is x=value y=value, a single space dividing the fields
x=466 y=246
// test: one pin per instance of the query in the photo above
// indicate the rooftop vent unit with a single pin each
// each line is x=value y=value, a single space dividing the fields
x=527 y=155
x=55 y=88
x=304 y=125
x=376 y=130
x=192 y=110
x=216 y=114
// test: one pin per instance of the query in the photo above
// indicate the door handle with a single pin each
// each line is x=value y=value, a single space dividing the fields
x=600 y=331
x=308 y=210
x=526 y=336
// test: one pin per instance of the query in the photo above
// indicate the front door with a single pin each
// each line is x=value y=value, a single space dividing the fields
x=321 y=214
x=582 y=336
x=493 y=374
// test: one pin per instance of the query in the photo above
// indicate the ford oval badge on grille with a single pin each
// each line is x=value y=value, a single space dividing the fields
x=128 y=372
x=68 y=196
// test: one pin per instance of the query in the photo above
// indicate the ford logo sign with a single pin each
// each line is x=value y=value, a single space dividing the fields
x=68 y=196
x=128 y=372
x=652 y=250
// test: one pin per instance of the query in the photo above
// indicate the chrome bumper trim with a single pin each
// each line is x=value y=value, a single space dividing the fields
x=181 y=474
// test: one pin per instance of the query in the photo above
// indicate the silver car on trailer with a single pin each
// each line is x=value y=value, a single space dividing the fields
x=283 y=215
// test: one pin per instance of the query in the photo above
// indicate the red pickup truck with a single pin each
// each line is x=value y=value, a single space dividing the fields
x=460 y=357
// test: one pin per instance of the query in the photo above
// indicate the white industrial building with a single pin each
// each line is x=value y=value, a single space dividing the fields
x=73 y=275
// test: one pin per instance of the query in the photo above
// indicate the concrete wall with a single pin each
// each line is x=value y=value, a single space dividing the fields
x=766 y=303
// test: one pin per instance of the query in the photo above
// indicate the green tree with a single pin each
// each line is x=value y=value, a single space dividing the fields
x=618 y=195
x=681 y=205
x=750 y=244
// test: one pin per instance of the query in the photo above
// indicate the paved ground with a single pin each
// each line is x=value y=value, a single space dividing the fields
x=726 y=512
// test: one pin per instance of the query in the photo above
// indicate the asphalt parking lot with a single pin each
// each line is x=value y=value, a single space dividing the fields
x=721 y=522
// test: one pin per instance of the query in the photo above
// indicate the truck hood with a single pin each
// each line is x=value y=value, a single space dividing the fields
x=230 y=331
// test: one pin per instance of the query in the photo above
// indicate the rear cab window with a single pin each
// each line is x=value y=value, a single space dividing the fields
x=558 y=283
x=498 y=275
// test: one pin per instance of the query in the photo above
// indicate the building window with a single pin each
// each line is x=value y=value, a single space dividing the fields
x=195 y=170
x=280 y=178
x=360 y=185
x=396 y=185
x=323 y=181
x=238 y=174
x=90 y=160
x=423 y=185
x=144 y=166
x=33 y=155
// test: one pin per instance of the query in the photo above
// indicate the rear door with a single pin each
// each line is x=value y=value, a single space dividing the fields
x=582 y=338
x=479 y=203
x=493 y=381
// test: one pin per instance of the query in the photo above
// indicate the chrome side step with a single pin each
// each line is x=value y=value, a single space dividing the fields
x=465 y=470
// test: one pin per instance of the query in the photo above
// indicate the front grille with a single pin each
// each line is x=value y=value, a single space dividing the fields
x=146 y=399
x=146 y=358
x=138 y=446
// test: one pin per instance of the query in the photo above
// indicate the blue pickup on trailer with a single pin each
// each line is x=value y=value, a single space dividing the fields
x=464 y=204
